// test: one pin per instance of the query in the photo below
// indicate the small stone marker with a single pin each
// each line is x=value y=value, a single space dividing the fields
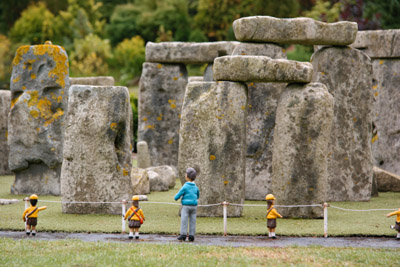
x=161 y=92
x=143 y=156
x=39 y=87
x=187 y=53
x=5 y=100
x=97 y=158
x=213 y=141
x=261 y=69
x=349 y=152
x=98 y=80
x=299 y=161
x=294 y=31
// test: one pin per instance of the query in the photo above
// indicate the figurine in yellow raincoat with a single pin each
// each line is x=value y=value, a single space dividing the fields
x=30 y=215
x=272 y=214
x=135 y=217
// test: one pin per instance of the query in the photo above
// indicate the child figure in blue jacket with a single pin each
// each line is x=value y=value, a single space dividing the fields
x=190 y=194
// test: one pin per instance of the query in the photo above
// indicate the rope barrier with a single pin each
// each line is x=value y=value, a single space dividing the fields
x=339 y=208
x=277 y=206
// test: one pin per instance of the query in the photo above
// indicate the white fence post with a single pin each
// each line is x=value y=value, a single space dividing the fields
x=225 y=211
x=326 y=205
x=124 y=202
x=26 y=206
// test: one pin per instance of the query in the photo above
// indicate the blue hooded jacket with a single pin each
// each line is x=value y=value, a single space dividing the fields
x=190 y=194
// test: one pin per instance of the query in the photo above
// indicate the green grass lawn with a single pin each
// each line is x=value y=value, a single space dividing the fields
x=65 y=253
x=165 y=219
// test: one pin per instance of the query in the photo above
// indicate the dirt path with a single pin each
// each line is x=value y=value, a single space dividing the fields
x=234 y=241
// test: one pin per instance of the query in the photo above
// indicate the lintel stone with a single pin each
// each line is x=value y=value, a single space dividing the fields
x=379 y=44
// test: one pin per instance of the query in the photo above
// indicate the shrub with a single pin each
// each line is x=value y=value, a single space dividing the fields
x=5 y=61
x=90 y=56
x=130 y=55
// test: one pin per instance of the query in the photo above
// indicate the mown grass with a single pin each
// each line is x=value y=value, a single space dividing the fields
x=165 y=219
x=79 y=253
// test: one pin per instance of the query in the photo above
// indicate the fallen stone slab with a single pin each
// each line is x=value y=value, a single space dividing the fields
x=379 y=44
x=157 y=181
x=8 y=201
x=140 y=181
x=5 y=101
x=98 y=80
x=304 y=31
x=169 y=173
x=195 y=79
x=39 y=97
x=387 y=181
x=261 y=69
x=97 y=159
x=186 y=52
x=299 y=157
x=213 y=141
x=350 y=159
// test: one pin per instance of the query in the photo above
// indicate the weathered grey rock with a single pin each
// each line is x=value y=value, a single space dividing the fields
x=8 y=201
x=5 y=101
x=161 y=92
x=262 y=103
x=140 y=181
x=143 y=156
x=299 y=162
x=195 y=79
x=261 y=69
x=386 y=114
x=208 y=74
x=374 y=187
x=158 y=182
x=97 y=160
x=98 y=80
x=187 y=53
x=39 y=86
x=350 y=157
x=213 y=141
x=379 y=44
x=294 y=31
x=169 y=174
x=387 y=181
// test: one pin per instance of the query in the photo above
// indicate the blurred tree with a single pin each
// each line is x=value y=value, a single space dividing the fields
x=215 y=17
x=123 y=23
x=129 y=55
x=197 y=35
x=323 y=10
x=5 y=61
x=36 y=25
x=108 y=6
x=90 y=56
x=385 y=13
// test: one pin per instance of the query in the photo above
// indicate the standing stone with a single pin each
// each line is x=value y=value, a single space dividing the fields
x=347 y=73
x=162 y=88
x=143 y=156
x=98 y=80
x=97 y=160
x=299 y=164
x=140 y=181
x=379 y=44
x=294 y=31
x=208 y=74
x=213 y=141
x=386 y=114
x=262 y=103
x=39 y=84
x=5 y=100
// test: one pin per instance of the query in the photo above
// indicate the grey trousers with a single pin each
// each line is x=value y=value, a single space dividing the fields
x=188 y=215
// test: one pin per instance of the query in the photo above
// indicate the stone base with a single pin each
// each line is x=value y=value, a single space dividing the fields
x=37 y=179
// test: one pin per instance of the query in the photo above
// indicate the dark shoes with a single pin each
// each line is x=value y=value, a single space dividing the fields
x=182 y=238
x=33 y=234
x=28 y=233
x=137 y=237
x=191 y=238
x=130 y=237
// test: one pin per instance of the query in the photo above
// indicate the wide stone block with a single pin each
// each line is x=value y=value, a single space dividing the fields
x=213 y=141
x=350 y=158
x=39 y=89
x=169 y=174
x=299 y=160
x=161 y=93
x=5 y=101
x=261 y=109
x=386 y=114
x=379 y=44
x=98 y=80
x=304 y=31
x=261 y=69
x=97 y=159
x=187 y=53
x=387 y=181
x=140 y=181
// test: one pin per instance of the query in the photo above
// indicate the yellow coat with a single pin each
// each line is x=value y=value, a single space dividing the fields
x=273 y=214
x=33 y=215
x=396 y=213
x=134 y=217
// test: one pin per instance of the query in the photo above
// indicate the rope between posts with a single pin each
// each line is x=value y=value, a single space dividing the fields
x=339 y=208
x=277 y=206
